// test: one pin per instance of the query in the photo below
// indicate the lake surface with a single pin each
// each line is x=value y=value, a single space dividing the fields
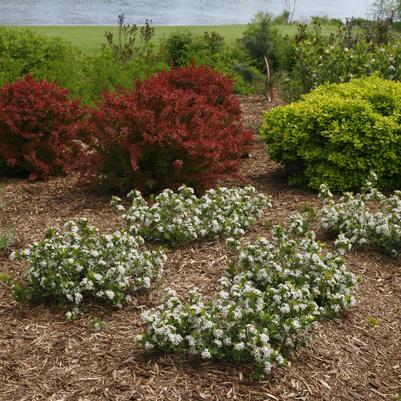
x=173 y=12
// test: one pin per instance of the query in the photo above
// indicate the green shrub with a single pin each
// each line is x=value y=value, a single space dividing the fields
x=260 y=39
x=324 y=20
x=53 y=59
x=125 y=57
x=234 y=62
x=338 y=134
x=182 y=48
x=316 y=59
x=283 y=19
x=108 y=74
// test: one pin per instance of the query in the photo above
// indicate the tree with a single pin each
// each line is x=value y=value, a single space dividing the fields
x=260 y=39
x=386 y=9
x=290 y=5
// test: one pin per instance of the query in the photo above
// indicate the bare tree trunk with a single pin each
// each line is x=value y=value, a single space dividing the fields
x=269 y=79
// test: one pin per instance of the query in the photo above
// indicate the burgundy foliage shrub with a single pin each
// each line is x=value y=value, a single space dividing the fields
x=180 y=126
x=40 y=128
x=206 y=82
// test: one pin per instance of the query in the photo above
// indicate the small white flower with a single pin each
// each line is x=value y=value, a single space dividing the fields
x=98 y=277
x=239 y=346
x=206 y=354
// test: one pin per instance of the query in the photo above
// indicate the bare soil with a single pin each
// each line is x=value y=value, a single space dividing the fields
x=43 y=357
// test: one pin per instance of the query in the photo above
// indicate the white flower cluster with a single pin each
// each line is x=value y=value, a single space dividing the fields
x=265 y=304
x=366 y=219
x=77 y=262
x=179 y=217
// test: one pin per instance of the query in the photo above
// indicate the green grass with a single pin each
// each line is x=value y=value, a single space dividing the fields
x=90 y=38
x=6 y=237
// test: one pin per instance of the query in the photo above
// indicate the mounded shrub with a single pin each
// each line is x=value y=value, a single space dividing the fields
x=181 y=126
x=271 y=296
x=40 y=128
x=368 y=219
x=339 y=133
x=77 y=263
x=180 y=217
x=203 y=81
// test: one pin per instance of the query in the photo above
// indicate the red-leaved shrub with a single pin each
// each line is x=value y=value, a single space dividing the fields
x=181 y=126
x=206 y=82
x=40 y=129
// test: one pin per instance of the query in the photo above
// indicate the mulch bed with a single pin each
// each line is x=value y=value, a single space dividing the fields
x=43 y=357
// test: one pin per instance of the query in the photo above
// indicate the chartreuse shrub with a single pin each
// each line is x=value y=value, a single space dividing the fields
x=179 y=217
x=77 y=263
x=367 y=219
x=266 y=304
x=339 y=133
x=179 y=126
x=40 y=129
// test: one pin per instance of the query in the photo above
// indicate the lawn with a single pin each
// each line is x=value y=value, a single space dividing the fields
x=90 y=38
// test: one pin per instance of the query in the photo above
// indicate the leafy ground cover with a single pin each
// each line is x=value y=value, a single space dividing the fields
x=95 y=358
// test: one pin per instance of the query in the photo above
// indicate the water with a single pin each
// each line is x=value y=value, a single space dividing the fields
x=172 y=12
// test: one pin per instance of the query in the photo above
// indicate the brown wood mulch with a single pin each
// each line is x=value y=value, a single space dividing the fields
x=43 y=357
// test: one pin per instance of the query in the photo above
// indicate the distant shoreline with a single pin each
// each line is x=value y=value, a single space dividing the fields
x=105 y=25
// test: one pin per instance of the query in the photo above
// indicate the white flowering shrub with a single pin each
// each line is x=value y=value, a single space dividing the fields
x=367 y=219
x=76 y=263
x=180 y=217
x=265 y=306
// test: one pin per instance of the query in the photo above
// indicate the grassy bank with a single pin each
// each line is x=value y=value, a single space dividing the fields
x=90 y=38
